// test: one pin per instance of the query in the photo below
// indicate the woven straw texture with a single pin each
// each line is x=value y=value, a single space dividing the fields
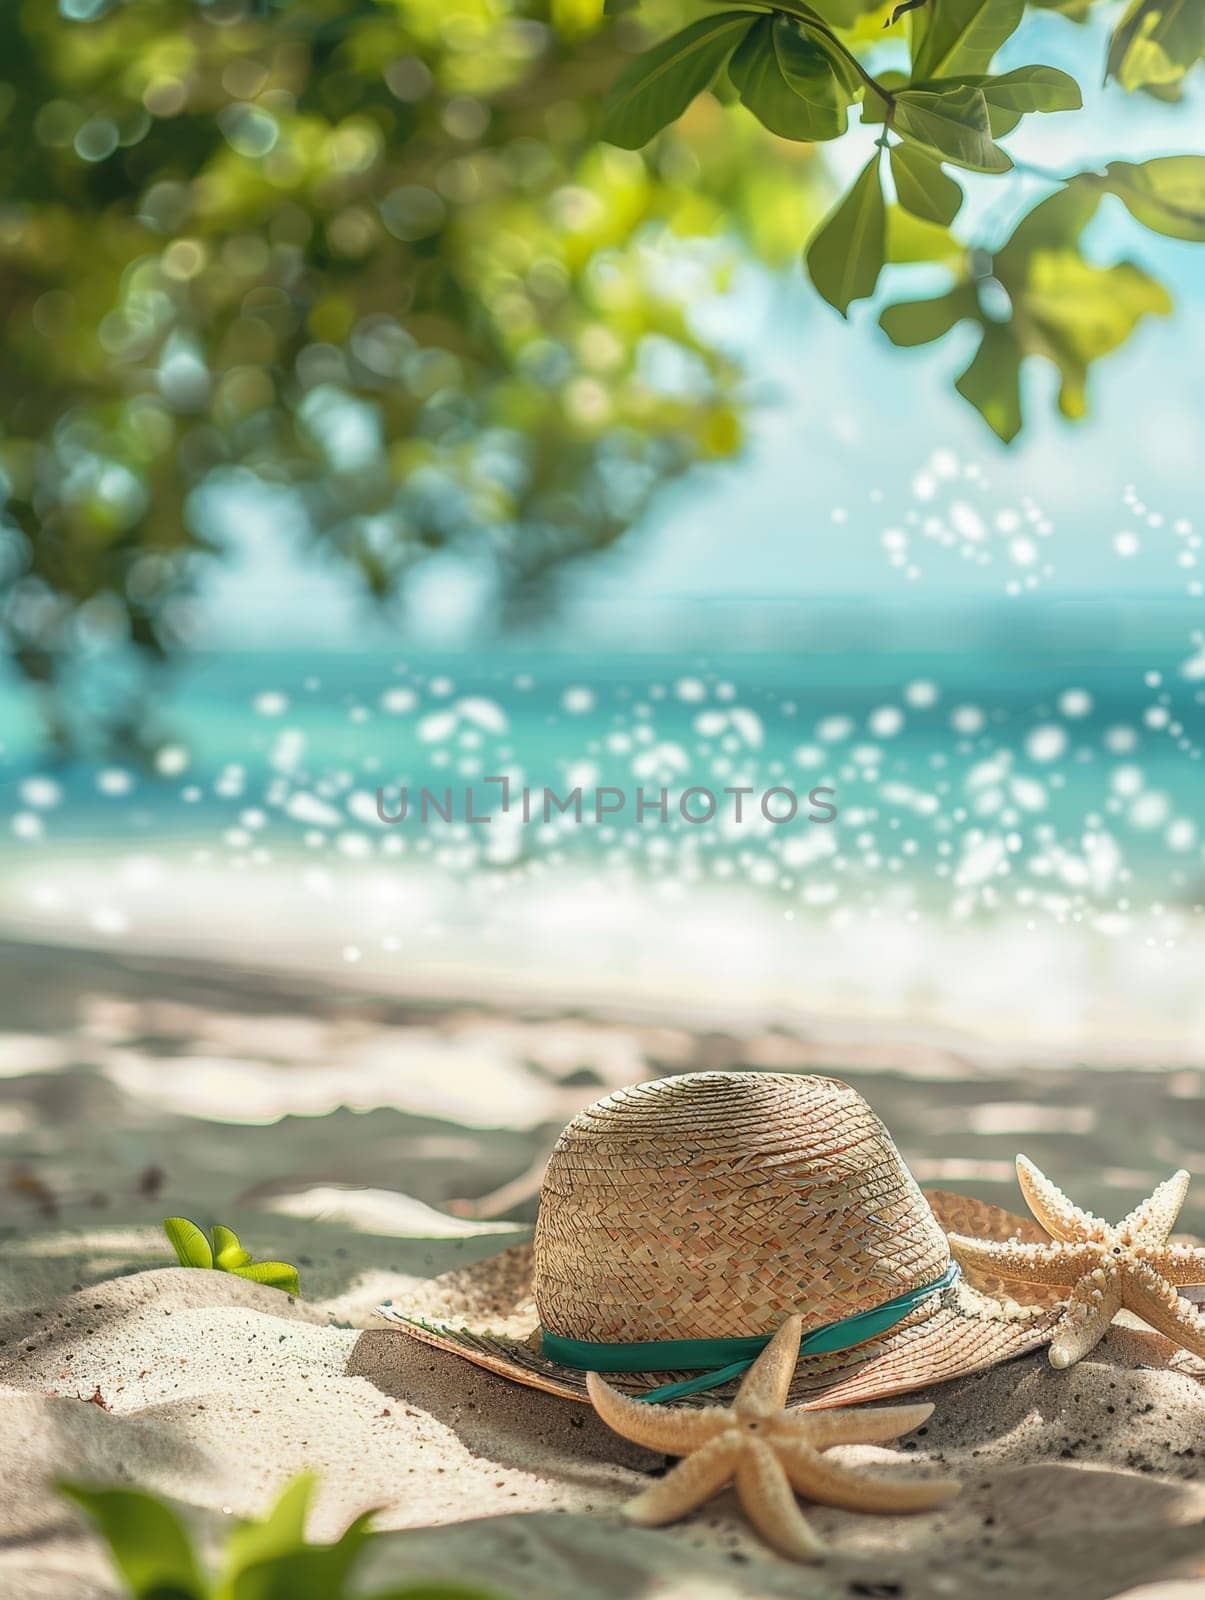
x=715 y=1204
x=485 y=1313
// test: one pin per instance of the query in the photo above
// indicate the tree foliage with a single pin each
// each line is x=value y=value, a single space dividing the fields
x=367 y=256
x=381 y=264
x=798 y=66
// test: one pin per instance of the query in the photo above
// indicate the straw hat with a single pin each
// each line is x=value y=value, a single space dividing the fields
x=682 y=1221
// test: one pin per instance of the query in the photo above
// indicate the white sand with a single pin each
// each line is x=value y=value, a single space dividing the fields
x=215 y=1391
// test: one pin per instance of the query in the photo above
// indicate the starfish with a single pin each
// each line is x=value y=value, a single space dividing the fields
x=766 y=1451
x=1100 y=1268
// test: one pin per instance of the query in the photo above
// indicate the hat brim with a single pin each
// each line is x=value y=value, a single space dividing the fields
x=485 y=1313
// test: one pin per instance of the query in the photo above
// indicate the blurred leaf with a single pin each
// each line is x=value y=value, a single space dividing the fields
x=282 y=1531
x=775 y=208
x=916 y=322
x=1053 y=224
x=148 y=1542
x=911 y=239
x=314 y=1572
x=992 y=382
x=1166 y=194
x=436 y=1591
x=1073 y=10
x=954 y=124
x=922 y=187
x=1169 y=93
x=785 y=77
x=1156 y=42
x=267 y=1560
x=190 y=1244
x=1075 y=313
x=846 y=14
x=659 y=85
x=573 y=19
x=1041 y=298
x=953 y=36
x=847 y=254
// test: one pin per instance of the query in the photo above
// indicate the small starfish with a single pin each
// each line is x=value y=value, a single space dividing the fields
x=1100 y=1267
x=767 y=1451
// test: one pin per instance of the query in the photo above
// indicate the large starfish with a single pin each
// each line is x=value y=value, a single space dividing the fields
x=1099 y=1267
x=766 y=1451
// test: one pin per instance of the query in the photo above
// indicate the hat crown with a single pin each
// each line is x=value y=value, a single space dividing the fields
x=714 y=1204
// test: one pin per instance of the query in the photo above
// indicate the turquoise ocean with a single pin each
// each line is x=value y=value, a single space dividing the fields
x=1036 y=798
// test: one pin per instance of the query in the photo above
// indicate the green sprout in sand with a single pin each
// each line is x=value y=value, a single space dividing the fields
x=226 y=1254
x=268 y=1560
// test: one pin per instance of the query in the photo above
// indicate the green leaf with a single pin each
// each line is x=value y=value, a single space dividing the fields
x=190 y=1244
x=874 y=106
x=955 y=124
x=1097 y=308
x=909 y=239
x=228 y=1253
x=1052 y=225
x=844 y=70
x=1029 y=89
x=224 y=1238
x=1170 y=93
x=846 y=256
x=846 y=13
x=281 y=1533
x=436 y=1591
x=659 y=85
x=1079 y=312
x=992 y=382
x=315 y=1572
x=788 y=81
x=1055 y=304
x=1010 y=95
x=951 y=36
x=791 y=8
x=230 y=1260
x=921 y=187
x=1156 y=42
x=276 y=1274
x=1166 y=195
x=1074 y=10
x=914 y=322
x=149 y=1544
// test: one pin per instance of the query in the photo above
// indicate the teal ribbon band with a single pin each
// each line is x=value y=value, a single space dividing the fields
x=723 y=1359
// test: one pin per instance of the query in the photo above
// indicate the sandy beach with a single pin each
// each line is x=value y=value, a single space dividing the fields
x=376 y=1141
x=546 y=551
